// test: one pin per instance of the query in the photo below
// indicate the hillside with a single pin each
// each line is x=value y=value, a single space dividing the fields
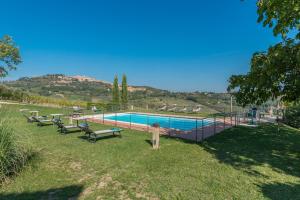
x=89 y=89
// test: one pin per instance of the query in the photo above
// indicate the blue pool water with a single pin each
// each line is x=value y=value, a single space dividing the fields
x=184 y=124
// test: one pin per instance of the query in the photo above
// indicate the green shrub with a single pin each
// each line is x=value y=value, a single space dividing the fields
x=14 y=150
x=292 y=116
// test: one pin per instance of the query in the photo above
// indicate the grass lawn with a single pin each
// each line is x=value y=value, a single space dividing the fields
x=240 y=163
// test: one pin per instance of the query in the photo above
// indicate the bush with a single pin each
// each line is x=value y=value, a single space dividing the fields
x=292 y=116
x=14 y=150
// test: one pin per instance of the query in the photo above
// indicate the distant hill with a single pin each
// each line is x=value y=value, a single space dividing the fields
x=72 y=87
x=90 y=89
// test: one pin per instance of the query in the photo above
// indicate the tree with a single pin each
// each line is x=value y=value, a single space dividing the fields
x=124 y=94
x=281 y=15
x=276 y=72
x=115 y=91
x=9 y=55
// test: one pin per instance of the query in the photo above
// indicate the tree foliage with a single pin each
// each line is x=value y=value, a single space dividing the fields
x=9 y=55
x=115 y=91
x=124 y=92
x=276 y=72
x=273 y=74
x=281 y=15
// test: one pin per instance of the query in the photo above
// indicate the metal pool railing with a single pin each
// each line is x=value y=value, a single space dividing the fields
x=184 y=127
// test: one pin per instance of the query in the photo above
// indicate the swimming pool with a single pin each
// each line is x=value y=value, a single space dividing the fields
x=180 y=123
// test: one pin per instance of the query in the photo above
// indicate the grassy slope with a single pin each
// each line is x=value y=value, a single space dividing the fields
x=241 y=163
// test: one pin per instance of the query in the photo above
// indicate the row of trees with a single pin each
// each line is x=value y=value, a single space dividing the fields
x=120 y=97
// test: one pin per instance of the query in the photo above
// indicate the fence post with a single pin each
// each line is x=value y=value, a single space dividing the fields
x=234 y=117
x=147 y=123
x=224 y=121
x=130 y=120
x=196 y=130
x=202 y=137
x=214 y=124
x=169 y=127
x=230 y=119
x=103 y=117
x=241 y=116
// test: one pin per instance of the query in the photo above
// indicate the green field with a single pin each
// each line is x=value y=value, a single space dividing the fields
x=239 y=163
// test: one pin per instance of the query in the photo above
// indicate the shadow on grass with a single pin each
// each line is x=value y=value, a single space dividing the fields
x=68 y=192
x=85 y=137
x=68 y=132
x=244 y=148
x=279 y=191
x=43 y=125
x=167 y=137
x=149 y=142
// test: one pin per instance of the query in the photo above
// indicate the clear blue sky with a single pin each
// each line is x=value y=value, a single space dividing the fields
x=177 y=45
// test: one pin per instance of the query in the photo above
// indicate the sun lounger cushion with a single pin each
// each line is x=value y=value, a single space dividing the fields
x=70 y=126
x=116 y=129
x=83 y=125
x=103 y=131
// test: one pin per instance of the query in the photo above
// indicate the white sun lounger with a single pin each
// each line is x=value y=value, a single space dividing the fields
x=42 y=120
x=172 y=109
x=163 y=108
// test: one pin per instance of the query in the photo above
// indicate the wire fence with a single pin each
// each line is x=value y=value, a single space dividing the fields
x=179 y=126
x=194 y=124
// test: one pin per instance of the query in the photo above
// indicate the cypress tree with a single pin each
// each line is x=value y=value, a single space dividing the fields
x=124 y=94
x=115 y=91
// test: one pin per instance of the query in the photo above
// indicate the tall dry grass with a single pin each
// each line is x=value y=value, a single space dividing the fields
x=15 y=148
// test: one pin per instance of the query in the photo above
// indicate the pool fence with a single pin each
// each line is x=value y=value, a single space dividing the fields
x=203 y=127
